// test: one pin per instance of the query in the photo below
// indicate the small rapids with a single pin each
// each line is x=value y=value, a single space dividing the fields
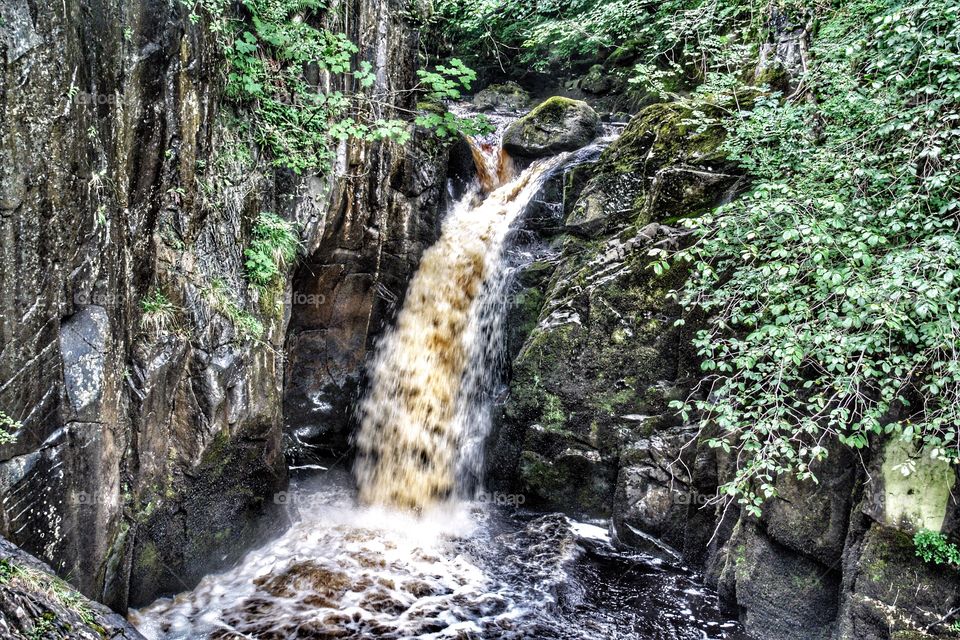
x=475 y=571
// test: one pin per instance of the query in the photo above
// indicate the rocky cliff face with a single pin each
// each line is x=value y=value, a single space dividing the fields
x=587 y=428
x=151 y=444
x=380 y=222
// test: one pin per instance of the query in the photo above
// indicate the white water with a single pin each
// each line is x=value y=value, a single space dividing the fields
x=424 y=415
x=345 y=572
x=470 y=572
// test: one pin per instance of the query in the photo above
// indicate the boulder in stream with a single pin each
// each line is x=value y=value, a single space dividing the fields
x=557 y=125
x=508 y=96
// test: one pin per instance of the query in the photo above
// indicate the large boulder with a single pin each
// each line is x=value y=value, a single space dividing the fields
x=598 y=80
x=508 y=96
x=557 y=125
x=780 y=594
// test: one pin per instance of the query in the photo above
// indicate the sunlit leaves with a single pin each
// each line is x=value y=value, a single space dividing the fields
x=832 y=285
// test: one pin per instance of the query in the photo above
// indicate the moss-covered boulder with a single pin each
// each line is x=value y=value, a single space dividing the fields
x=557 y=125
x=598 y=442
x=598 y=80
x=604 y=316
x=661 y=169
x=507 y=97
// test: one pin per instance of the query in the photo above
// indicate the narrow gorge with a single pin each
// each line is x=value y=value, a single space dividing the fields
x=479 y=319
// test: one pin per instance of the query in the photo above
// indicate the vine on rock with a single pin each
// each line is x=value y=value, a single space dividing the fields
x=283 y=66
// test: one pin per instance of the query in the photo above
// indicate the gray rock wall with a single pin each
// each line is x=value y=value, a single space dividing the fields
x=149 y=454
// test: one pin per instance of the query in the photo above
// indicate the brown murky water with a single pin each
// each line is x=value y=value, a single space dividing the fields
x=474 y=571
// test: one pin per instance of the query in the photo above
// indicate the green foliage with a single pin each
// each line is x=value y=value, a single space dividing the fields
x=274 y=246
x=42 y=626
x=8 y=429
x=833 y=286
x=556 y=35
x=53 y=587
x=270 y=44
x=934 y=548
x=448 y=82
x=159 y=314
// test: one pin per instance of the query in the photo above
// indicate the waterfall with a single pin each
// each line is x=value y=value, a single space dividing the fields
x=424 y=420
x=460 y=569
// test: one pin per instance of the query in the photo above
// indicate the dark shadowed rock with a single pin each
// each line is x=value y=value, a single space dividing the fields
x=559 y=124
x=350 y=288
x=780 y=594
x=508 y=97
x=151 y=451
x=597 y=80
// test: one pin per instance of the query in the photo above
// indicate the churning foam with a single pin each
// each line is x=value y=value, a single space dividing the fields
x=413 y=418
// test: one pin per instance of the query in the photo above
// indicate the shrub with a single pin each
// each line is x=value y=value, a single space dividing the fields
x=8 y=428
x=934 y=548
x=833 y=286
x=268 y=45
x=246 y=325
x=274 y=247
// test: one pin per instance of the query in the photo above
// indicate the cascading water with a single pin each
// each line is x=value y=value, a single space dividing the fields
x=424 y=411
x=413 y=561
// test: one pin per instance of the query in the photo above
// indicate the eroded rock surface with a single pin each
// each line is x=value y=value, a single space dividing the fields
x=587 y=427
x=508 y=97
x=152 y=444
x=35 y=604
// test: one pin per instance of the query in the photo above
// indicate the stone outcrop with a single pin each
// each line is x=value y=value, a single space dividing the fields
x=34 y=603
x=559 y=124
x=603 y=315
x=507 y=97
x=833 y=560
x=352 y=285
x=152 y=442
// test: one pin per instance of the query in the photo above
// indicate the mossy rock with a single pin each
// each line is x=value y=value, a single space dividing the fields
x=508 y=96
x=558 y=125
x=665 y=135
x=429 y=106
x=574 y=482
x=206 y=517
x=663 y=168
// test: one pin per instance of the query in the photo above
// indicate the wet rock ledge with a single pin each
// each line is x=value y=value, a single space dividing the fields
x=36 y=604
